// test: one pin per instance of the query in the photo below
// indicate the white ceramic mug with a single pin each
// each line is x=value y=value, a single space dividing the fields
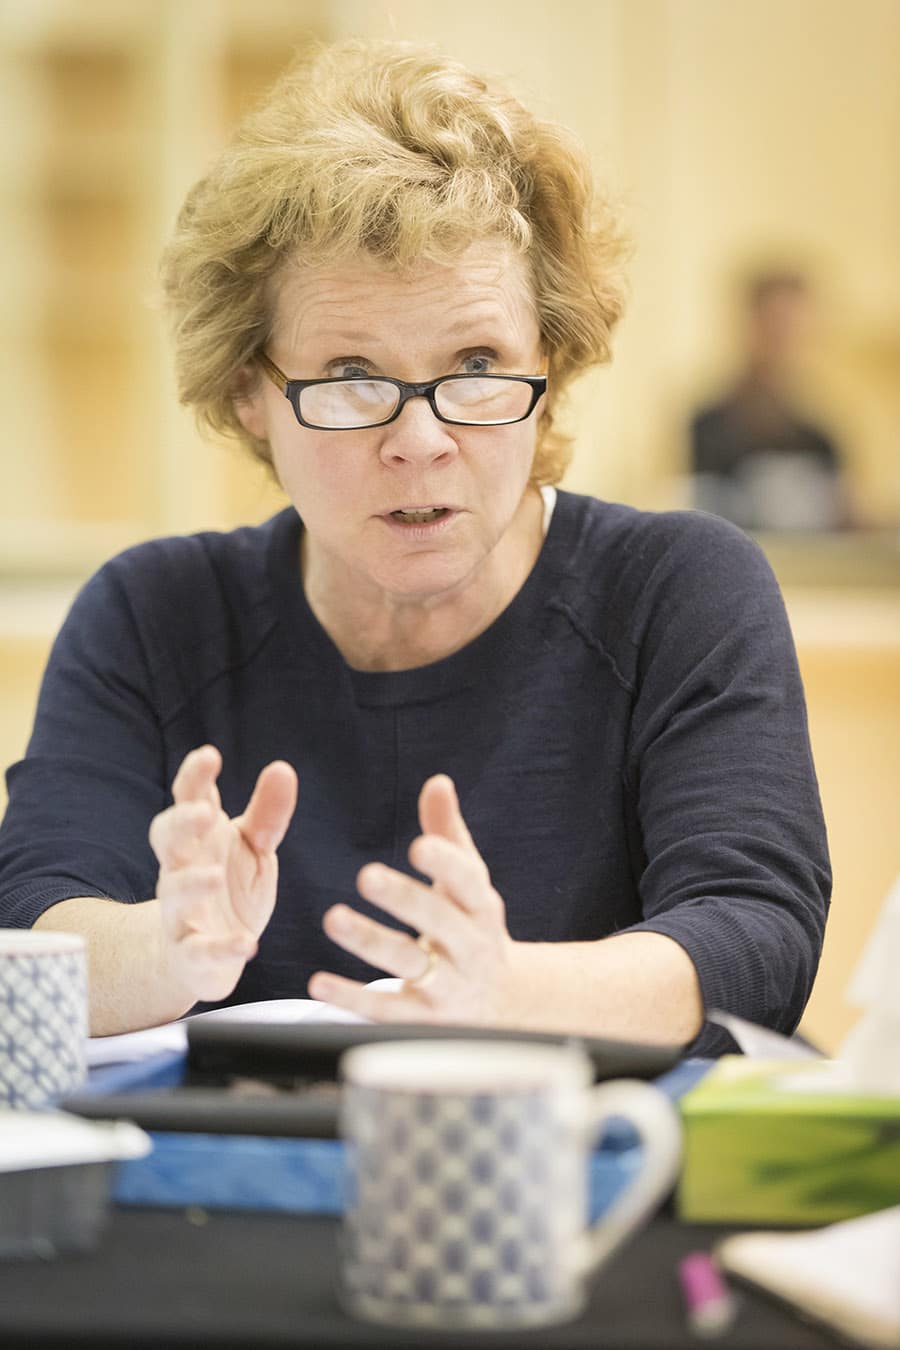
x=43 y=1016
x=468 y=1180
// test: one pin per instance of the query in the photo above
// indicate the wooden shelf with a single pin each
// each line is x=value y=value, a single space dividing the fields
x=91 y=234
x=121 y=107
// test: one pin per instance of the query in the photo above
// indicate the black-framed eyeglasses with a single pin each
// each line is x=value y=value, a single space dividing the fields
x=354 y=404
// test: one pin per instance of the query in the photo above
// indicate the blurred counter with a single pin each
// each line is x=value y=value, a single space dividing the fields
x=844 y=618
x=846 y=559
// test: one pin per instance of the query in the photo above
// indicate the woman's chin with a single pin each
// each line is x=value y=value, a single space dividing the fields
x=423 y=579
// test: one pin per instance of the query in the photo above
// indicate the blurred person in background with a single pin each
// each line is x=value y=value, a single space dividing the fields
x=755 y=457
x=541 y=758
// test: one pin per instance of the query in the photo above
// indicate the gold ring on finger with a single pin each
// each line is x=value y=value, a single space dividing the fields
x=431 y=959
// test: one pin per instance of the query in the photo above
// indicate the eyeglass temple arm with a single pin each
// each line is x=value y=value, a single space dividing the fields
x=277 y=376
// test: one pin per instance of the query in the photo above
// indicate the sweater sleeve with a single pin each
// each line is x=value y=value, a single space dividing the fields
x=732 y=835
x=81 y=801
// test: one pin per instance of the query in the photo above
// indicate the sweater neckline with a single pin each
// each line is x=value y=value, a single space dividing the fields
x=314 y=649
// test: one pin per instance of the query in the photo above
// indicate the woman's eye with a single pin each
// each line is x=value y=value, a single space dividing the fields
x=347 y=370
x=478 y=364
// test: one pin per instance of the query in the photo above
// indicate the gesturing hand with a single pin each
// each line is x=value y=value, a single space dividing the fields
x=218 y=876
x=461 y=968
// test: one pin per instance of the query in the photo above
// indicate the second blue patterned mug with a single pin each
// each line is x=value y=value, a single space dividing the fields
x=468 y=1180
x=43 y=1017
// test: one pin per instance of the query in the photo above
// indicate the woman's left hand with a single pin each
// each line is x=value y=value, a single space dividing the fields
x=462 y=967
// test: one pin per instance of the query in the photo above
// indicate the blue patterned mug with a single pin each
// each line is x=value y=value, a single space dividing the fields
x=43 y=1016
x=468 y=1184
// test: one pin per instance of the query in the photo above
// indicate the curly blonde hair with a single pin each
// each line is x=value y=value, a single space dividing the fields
x=394 y=151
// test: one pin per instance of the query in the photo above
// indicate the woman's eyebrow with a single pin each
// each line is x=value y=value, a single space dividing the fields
x=490 y=324
x=344 y=338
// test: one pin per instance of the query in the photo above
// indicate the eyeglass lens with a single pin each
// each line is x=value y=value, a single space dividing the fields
x=345 y=404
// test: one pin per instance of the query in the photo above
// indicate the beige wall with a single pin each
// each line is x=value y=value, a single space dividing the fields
x=731 y=130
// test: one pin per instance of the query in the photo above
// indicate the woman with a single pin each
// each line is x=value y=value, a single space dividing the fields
x=557 y=747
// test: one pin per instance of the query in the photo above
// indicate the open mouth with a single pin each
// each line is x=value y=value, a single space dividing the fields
x=419 y=515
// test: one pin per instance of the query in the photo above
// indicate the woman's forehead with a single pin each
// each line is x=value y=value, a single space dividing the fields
x=487 y=286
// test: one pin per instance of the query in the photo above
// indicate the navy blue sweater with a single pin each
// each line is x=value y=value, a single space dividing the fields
x=628 y=740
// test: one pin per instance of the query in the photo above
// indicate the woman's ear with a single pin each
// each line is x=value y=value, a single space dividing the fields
x=246 y=395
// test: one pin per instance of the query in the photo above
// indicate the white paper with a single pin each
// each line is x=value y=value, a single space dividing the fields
x=135 y=1045
x=823 y=1078
x=279 y=1010
x=759 y=1042
x=132 y=1046
x=847 y=1274
x=30 y=1139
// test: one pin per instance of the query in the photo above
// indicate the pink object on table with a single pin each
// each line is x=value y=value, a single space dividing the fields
x=710 y=1305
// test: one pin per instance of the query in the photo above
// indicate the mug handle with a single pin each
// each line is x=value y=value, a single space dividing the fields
x=659 y=1127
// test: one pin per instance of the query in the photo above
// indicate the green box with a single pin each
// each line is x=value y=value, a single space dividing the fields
x=758 y=1148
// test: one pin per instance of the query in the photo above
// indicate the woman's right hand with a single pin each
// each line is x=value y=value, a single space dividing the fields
x=217 y=876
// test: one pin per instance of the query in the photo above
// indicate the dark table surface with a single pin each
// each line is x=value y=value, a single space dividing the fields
x=176 y=1278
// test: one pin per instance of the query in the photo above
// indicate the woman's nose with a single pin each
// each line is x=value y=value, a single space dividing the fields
x=417 y=436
